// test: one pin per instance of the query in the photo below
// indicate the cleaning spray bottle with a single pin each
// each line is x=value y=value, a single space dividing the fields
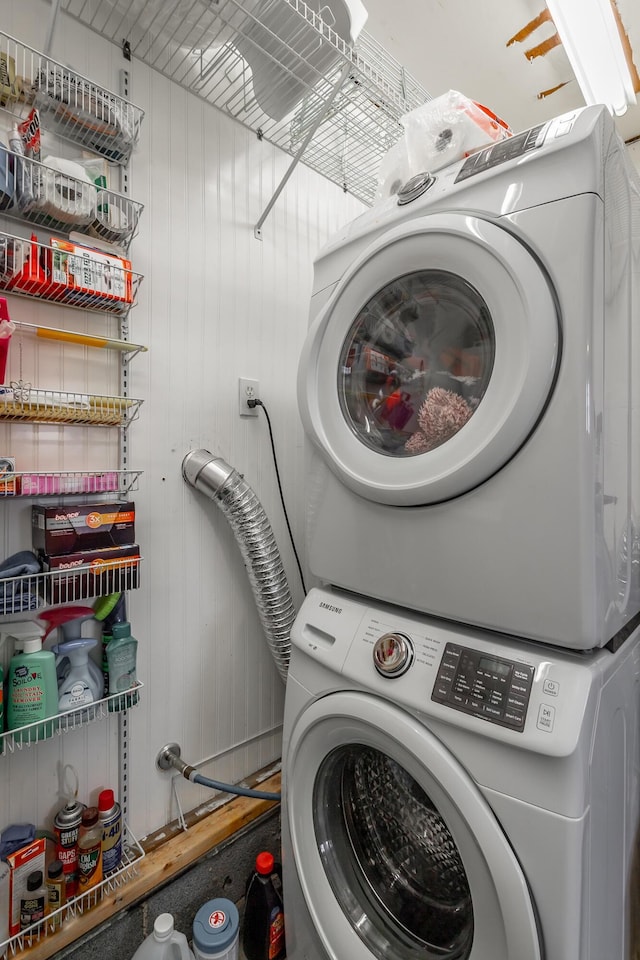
x=32 y=687
x=74 y=658
x=79 y=685
x=109 y=610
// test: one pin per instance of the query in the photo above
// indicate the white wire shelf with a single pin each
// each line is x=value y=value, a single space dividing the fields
x=40 y=194
x=69 y=104
x=273 y=65
x=32 y=734
x=67 y=273
x=132 y=854
x=82 y=339
x=70 y=579
x=20 y=402
x=66 y=483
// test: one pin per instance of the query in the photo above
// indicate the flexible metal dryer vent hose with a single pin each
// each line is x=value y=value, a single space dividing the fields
x=250 y=524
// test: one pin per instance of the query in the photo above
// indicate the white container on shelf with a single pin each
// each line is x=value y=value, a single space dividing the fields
x=164 y=943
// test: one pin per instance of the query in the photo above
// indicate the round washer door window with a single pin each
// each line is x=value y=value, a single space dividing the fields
x=432 y=361
x=396 y=851
x=390 y=858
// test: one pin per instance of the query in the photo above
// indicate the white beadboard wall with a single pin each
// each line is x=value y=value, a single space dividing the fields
x=215 y=304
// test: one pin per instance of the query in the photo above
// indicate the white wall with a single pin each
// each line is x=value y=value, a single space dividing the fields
x=215 y=304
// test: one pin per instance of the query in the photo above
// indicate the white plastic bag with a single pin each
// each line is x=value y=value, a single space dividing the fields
x=436 y=134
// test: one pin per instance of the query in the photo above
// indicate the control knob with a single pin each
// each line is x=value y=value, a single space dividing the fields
x=392 y=654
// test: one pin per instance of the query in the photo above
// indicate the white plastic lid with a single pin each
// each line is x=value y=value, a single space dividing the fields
x=163 y=927
x=24 y=629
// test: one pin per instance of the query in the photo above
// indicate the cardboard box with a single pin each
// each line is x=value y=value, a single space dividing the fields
x=91 y=573
x=88 y=526
x=21 y=863
x=89 y=276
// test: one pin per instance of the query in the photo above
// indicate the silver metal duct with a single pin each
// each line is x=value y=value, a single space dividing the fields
x=250 y=524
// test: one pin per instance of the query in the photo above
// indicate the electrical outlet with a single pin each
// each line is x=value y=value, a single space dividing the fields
x=247 y=390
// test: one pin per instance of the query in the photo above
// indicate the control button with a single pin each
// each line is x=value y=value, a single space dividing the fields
x=442 y=690
x=518 y=688
x=517 y=703
x=551 y=688
x=522 y=675
x=492 y=711
x=462 y=701
x=415 y=187
x=563 y=128
x=392 y=654
x=516 y=719
x=546 y=717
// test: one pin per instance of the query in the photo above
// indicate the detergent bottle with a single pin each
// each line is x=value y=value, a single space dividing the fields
x=74 y=659
x=164 y=943
x=31 y=683
x=78 y=685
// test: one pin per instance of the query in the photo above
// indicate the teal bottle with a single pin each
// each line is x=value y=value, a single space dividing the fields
x=121 y=658
x=31 y=685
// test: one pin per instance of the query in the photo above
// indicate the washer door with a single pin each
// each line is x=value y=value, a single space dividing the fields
x=397 y=853
x=431 y=362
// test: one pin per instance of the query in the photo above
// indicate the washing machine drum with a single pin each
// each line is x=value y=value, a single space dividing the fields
x=432 y=361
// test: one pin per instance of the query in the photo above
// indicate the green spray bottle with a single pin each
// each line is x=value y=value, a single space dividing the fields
x=121 y=656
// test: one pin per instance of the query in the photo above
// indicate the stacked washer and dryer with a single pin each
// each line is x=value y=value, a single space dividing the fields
x=462 y=736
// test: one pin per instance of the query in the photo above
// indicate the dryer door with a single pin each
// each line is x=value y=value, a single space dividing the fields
x=398 y=854
x=431 y=362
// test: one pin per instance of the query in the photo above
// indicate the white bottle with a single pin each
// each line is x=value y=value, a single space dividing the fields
x=164 y=943
x=80 y=686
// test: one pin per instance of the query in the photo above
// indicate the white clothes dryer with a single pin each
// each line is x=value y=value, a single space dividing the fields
x=470 y=387
x=455 y=795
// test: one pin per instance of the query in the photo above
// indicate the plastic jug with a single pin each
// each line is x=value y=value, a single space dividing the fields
x=164 y=943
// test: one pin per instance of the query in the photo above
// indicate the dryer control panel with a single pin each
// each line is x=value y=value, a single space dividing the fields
x=487 y=686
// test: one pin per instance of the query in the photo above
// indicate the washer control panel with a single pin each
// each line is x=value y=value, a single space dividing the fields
x=487 y=686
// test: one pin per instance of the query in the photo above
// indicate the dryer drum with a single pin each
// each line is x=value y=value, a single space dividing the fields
x=387 y=843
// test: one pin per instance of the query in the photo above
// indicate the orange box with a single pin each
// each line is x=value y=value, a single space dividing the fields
x=88 y=276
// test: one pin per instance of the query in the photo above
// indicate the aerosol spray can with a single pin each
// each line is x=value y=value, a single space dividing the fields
x=66 y=827
x=111 y=822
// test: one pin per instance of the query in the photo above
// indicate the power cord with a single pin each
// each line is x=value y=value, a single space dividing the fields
x=259 y=403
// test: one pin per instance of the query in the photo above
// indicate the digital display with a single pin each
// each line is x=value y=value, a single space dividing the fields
x=494 y=666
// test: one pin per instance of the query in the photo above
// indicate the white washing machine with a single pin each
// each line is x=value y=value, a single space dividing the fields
x=470 y=387
x=450 y=794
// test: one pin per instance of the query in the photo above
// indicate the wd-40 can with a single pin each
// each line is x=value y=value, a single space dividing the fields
x=111 y=820
x=66 y=825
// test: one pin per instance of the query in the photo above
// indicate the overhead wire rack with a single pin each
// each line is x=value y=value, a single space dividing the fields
x=278 y=68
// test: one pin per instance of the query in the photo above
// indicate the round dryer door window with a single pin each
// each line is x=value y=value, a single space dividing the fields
x=432 y=361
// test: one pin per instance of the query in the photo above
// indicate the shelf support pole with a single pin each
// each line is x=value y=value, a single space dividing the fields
x=55 y=6
x=257 y=232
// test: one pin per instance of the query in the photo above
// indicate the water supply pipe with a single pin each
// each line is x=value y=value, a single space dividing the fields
x=229 y=490
x=169 y=757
